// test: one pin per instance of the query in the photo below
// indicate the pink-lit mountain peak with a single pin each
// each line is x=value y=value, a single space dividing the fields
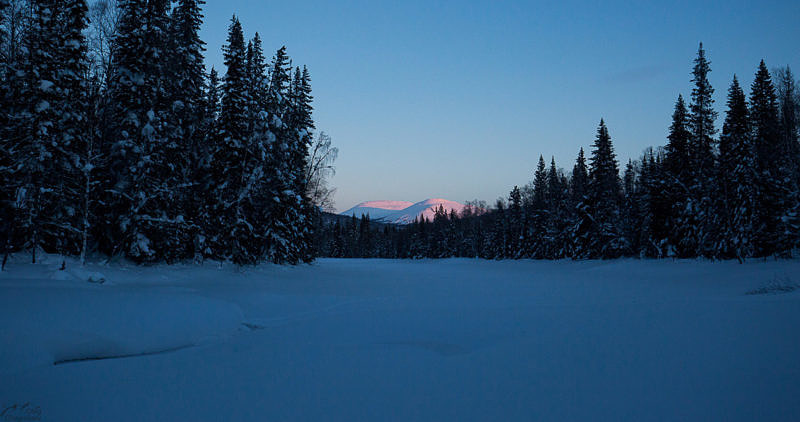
x=403 y=212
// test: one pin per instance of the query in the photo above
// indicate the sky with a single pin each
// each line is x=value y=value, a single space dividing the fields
x=457 y=99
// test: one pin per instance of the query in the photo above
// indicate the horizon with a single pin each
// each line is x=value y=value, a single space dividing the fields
x=462 y=106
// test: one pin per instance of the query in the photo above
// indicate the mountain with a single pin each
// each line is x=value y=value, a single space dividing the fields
x=402 y=212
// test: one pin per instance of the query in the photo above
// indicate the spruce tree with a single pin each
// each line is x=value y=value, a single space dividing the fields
x=580 y=218
x=774 y=168
x=605 y=195
x=163 y=218
x=301 y=124
x=202 y=179
x=72 y=108
x=678 y=178
x=211 y=101
x=557 y=225
x=515 y=224
x=630 y=209
x=660 y=206
x=138 y=217
x=49 y=128
x=536 y=236
x=789 y=108
x=6 y=160
x=186 y=124
x=696 y=217
x=229 y=157
x=701 y=121
x=282 y=234
x=737 y=173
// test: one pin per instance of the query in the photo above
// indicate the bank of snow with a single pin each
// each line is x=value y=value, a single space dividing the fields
x=51 y=317
x=405 y=340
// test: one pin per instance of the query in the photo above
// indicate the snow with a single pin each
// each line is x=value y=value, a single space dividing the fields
x=45 y=85
x=42 y=106
x=403 y=340
x=402 y=212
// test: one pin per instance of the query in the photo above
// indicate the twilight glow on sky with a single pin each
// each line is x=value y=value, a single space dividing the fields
x=457 y=99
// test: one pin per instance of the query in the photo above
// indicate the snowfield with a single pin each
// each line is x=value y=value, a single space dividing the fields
x=448 y=340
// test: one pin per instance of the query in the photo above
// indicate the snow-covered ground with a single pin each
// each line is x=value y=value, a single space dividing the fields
x=403 y=340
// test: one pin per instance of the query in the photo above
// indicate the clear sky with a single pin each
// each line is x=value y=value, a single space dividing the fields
x=457 y=99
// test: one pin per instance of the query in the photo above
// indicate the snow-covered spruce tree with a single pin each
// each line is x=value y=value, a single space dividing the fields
x=8 y=171
x=736 y=203
x=678 y=179
x=211 y=104
x=227 y=155
x=631 y=218
x=644 y=209
x=536 y=239
x=257 y=76
x=696 y=219
x=258 y=194
x=789 y=108
x=281 y=233
x=515 y=224
x=138 y=216
x=163 y=228
x=184 y=127
x=256 y=197
x=656 y=204
x=605 y=196
x=49 y=126
x=580 y=220
x=775 y=187
x=301 y=126
x=202 y=182
x=558 y=223
x=119 y=124
x=31 y=121
x=496 y=243
x=73 y=108
x=3 y=6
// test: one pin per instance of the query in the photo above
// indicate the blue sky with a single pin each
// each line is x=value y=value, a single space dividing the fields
x=457 y=99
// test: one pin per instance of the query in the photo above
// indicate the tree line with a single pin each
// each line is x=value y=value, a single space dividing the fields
x=721 y=195
x=114 y=139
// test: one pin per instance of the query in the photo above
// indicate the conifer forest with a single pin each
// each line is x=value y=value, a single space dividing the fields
x=729 y=194
x=116 y=140
x=130 y=148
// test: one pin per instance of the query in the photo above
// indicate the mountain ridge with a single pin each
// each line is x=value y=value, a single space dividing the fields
x=402 y=212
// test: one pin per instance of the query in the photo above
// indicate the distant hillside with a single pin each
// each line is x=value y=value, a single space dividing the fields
x=402 y=212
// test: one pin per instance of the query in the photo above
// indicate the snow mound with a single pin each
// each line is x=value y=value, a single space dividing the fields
x=113 y=322
x=403 y=212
